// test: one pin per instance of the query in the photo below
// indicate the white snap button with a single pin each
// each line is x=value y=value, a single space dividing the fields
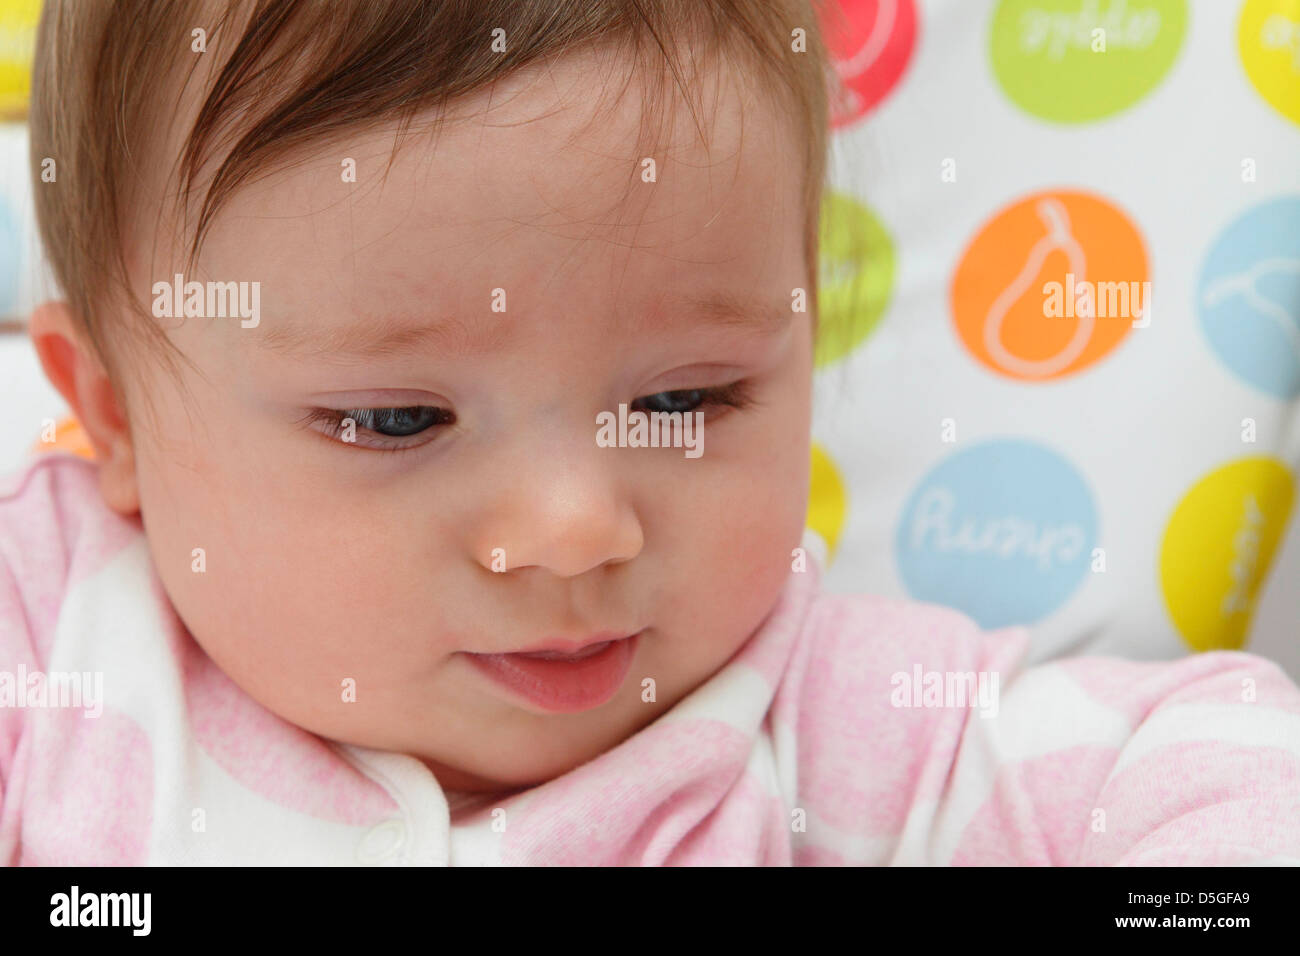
x=381 y=842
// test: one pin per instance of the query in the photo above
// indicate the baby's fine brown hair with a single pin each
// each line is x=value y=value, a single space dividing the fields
x=109 y=75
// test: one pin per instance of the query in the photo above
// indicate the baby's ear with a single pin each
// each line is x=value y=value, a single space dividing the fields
x=73 y=368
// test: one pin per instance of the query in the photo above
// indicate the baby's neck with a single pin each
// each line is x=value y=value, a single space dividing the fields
x=467 y=794
x=462 y=802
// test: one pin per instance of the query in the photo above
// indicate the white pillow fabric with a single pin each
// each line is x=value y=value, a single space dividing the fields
x=1115 y=468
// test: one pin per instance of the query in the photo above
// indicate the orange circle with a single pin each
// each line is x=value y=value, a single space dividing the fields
x=70 y=437
x=1011 y=299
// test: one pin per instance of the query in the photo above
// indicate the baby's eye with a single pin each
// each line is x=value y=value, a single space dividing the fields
x=687 y=400
x=735 y=395
x=400 y=422
x=382 y=423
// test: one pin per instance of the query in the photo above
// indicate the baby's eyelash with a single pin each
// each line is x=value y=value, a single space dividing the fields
x=735 y=395
x=364 y=419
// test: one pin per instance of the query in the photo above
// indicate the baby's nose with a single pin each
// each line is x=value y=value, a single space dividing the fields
x=566 y=512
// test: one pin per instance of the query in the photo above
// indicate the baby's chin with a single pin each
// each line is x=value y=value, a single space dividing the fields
x=540 y=748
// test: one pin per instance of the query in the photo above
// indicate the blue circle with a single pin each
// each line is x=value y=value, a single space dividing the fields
x=1248 y=298
x=1003 y=531
x=10 y=260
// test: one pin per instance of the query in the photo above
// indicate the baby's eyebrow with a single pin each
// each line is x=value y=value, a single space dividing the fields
x=378 y=337
x=740 y=311
x=390 y=336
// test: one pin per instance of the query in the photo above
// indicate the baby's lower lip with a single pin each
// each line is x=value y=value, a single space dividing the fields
x=563 y=683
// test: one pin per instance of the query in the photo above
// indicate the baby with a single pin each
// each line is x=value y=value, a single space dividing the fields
x=350 y=294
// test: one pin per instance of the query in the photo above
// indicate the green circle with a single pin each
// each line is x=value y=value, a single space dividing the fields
x=1049 y=59
x=855 y=276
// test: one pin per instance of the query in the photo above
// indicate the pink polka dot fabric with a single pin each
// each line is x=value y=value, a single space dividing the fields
x=849 y=730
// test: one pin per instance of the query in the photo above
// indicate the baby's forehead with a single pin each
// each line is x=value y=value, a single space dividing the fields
x=226 y=141
x=539 y=182
x=569 y=134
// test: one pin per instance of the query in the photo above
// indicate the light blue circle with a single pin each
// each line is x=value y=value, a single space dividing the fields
x=1003 y=531
x=10 y=260
x=1258 y=339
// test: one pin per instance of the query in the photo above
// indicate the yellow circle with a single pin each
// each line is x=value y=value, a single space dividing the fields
x=856 y=266
x=1268 y=40
x=18 y=19
x=827 y=500
x=1218 y=547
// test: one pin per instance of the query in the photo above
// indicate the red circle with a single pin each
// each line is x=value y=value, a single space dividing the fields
x=870 y=43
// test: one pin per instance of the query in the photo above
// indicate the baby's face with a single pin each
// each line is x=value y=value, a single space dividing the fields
x=373 y=563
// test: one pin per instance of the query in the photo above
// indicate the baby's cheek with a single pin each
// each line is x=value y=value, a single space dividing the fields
x=252 y=587
x=764 y=551
x=739 y=550
x=769 y=531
